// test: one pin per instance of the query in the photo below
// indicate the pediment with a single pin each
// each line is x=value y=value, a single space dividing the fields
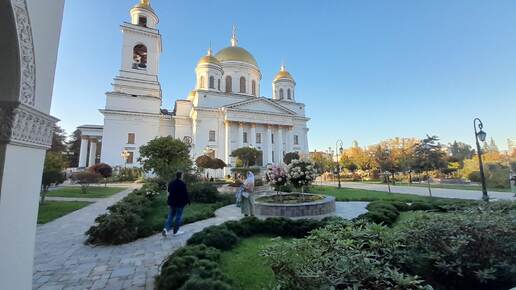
x=261 y=105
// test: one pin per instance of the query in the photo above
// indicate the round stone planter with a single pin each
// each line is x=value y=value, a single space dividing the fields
x=314 y=209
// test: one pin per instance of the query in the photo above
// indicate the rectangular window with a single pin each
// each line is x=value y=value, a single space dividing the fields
x=245 y=137
x=130 y=158
x=211 y=136
x=130 y=138
x=273 y=157
x=296 y=140
x=272 y=138
x=258 y=138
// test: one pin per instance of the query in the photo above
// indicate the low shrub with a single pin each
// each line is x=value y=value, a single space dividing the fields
x=472 y=249
x=192 y=267
x=381 y=212
x=340 y=256
x=218 y=237
x=422 y=206
x=203 y=192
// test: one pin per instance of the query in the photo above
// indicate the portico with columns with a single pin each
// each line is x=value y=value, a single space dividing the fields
x=91 y=139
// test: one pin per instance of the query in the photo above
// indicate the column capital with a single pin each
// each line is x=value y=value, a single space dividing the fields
x=85 y=137
x=93 y=140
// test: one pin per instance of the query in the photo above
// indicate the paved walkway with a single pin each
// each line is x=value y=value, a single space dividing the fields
x=62 y=260
x=436 y=192
x=62 y=198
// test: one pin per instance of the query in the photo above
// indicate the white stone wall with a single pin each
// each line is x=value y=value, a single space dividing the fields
x=116 y=129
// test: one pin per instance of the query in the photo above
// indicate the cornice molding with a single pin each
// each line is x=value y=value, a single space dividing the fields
x=25 y=126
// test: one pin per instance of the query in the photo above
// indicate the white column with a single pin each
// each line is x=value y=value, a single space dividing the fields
x=227 y=142
x=306 y=140
x=84 y=151
x=93 y=152
x=289 y=140
x=268 y=153
x=279 y=145
x=240 y=135
x=252 y=140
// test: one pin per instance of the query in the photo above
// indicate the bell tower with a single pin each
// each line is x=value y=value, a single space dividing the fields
x=138 y=75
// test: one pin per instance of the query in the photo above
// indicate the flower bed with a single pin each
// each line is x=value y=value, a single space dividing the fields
x=291 y=198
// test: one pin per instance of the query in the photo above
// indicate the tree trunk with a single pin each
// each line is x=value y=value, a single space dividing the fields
x=428 y=182
x=410 y=177
x=393 y=179
x=388 y=183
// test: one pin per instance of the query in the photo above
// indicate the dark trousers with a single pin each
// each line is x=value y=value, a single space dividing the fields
x=175 y=218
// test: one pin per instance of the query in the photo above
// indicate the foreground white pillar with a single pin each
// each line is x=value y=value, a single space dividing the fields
x=30 y=32
x=83 y=153
x=93 y=152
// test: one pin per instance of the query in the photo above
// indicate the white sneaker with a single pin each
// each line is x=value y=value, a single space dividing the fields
x=179 y=233
x=164 y=232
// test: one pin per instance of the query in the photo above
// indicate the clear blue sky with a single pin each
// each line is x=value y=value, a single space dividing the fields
x=367 y=70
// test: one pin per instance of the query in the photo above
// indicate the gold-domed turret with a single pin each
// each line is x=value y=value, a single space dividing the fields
x=283 y=74
x=144 y=4
x=209 y=59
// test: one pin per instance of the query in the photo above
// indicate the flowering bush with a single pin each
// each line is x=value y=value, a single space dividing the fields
x=276 y=176
x=301 y=173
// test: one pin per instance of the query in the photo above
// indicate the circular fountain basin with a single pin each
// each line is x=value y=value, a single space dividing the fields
x=294 y=205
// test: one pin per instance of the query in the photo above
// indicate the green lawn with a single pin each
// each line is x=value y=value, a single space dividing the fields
x=474 y=187
x=93 y=191
x=246 y=267
x=51 y=210
x=158 y=211
x=351 y=194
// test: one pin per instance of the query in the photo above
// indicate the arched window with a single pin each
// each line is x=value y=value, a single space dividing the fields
x=253 y=87
x=242 y=85
x=212 y=82
x=140 y=57
x=288 y=94
x=142 y=21
x=281 y=94
x=201 y=82
x=229 y=87
x=218 y=84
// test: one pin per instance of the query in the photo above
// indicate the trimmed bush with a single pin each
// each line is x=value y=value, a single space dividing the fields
x=218 y=237
x=473 y=249
x=203 y=192
x=381 y=212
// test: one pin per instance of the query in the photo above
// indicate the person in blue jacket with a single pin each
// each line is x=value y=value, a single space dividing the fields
x=177 y=200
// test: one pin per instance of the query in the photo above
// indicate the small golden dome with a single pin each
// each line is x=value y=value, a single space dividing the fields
x=144 y=4
x=209 y=58
x=235 y=53
x=283 y=74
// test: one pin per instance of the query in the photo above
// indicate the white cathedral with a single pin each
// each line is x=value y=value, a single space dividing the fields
x=224 y=112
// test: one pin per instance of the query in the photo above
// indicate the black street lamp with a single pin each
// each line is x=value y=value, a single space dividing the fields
x=338 y=153
x=480 y=135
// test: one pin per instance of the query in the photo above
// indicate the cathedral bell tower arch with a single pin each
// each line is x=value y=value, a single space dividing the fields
x=141 y=52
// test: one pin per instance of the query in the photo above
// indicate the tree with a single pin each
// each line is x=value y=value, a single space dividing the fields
x=85 y=178
x=461 y=151
x=103 y=170
x=216 y=163
x=52 y=172
x=386 y=164
x=203 y=161
x=322 y=161
x=290 y=156
x=58 y=140
x=247 y=155
x=74 y=148
x=165 y=156
x=430 y=156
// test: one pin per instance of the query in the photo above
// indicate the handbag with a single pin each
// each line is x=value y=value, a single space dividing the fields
x=245 y=194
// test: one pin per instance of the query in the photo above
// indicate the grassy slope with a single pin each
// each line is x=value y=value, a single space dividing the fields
x=246 y=267
x=351 y=194
x=158 y=212
x=93 y=192
x=52 y=210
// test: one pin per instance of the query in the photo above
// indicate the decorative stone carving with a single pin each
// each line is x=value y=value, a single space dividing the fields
x=26 y=47
x=25 y=126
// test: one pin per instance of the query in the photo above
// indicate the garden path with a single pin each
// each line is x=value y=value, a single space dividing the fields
x=423 y=191
x=59 y=198
x=62 y=260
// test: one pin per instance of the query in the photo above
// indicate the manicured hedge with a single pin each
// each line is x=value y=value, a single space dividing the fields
x=195 y=266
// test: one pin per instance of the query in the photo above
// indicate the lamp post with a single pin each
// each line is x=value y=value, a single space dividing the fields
x=338 y=152
x=125 y=155
x=480 y=135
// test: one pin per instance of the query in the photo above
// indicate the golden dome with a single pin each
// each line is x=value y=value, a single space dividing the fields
x=209 y=58
x=144 y=4
x=283 y=74
x=235 y=53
